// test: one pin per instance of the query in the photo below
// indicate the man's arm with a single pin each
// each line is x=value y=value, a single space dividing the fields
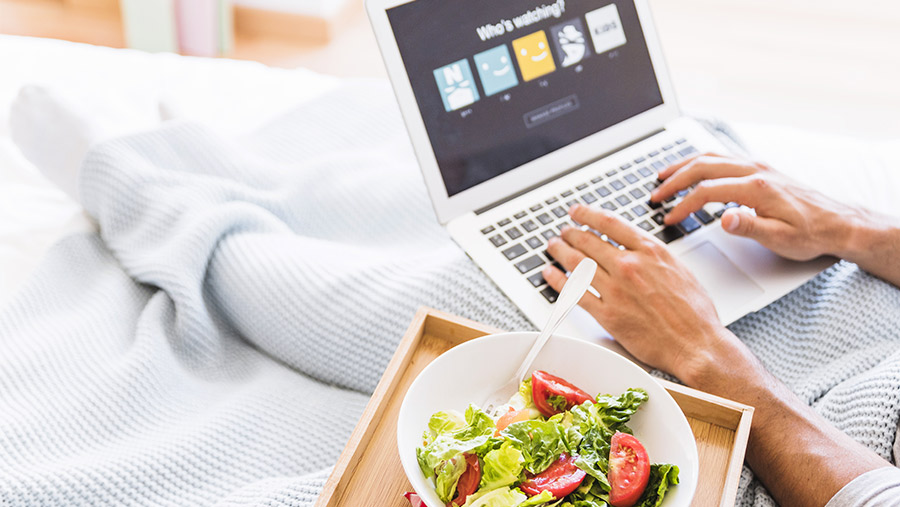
x=872 y=241
x=656 y=309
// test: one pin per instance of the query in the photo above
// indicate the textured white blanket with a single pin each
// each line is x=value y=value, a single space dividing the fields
x=217 y=341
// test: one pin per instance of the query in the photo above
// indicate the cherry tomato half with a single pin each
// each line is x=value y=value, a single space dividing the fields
x=560 y=478
x=553 y=395
x=469 y=480
x=629 y=470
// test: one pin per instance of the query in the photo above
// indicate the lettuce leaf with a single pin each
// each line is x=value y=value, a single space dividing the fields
x=593 y=457
x=661 y=477
x=502 y=467
x=541 y=442
x=477 y=432
x=540 y=499
x=501 y=497
x=448 y=473
x=523 y=398
x=443 y=422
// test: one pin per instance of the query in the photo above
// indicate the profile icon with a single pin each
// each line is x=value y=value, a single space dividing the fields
x=570 y=41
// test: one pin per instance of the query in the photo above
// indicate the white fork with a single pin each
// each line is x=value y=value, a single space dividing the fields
x=575 y=286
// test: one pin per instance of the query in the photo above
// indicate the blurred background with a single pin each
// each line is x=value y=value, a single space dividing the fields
x=829 y=66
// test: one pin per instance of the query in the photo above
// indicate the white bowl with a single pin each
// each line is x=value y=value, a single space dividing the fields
x=469 y=372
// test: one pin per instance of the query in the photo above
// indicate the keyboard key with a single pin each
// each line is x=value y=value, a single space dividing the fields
x=603 y=191
x=639 y=160
x=544 y=218
x=623 y=200
x=549 y=233
x=631 y=178
x=669 y=234
x=670 y=159
x=551 y=200
x=567 y=193
x=537 y=279
x=514 y=233
x=689 y=225
x=659 y=219
x=650 y=185
x=514 y=251
x=658 y=166
x=589 y=198
x=639 y=210
x=681 y=193
x=529 y=225
x=727 y=206
x=703 y=216
x=690 y=150
x=626 y=166
x=596 y=180
x=559 y=212
x=571 y=203
x=581 y=187
x=667 y=147
x=681 y=141
x=643 y=171
x=647 y=226
x=548 y=256
x=549 y=294
x=609 y=205
x=536 y=207
x=520 y=215
x=504 y=222
x=563 y=225
x=498 y=240
x=534 y=243
x=616 y=184
x=611 y=172
x=636 y=193
x=529 y=263
x=487 y=229
x=627 y=216
x=653 y=204
x=653 y=153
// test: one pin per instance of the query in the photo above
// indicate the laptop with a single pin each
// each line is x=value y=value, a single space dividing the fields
x=518 y=109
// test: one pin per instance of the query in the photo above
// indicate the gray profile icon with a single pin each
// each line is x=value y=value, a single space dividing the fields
x=570 y=42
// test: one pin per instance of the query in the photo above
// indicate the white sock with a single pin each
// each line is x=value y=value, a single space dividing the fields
x=55 y=132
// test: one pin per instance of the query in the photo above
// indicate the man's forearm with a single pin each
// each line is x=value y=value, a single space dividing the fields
x=872 y=241
x=800 y=457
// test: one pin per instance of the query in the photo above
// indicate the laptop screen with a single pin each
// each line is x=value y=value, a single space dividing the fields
x=500 y=83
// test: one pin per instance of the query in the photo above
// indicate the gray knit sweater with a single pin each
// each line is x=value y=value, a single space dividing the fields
x=217 y=341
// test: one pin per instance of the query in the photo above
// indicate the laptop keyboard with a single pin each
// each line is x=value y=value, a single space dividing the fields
x=522 y=237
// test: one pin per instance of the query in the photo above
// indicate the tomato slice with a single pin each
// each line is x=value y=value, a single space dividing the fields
x=553 y=395
x=629 y=470
x=560 y=478
x=468 y=481
x=514 y=416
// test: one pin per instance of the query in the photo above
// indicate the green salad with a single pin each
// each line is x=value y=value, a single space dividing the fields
x=554 y=446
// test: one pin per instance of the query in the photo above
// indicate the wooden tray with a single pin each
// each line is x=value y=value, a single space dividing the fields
x=369 y=473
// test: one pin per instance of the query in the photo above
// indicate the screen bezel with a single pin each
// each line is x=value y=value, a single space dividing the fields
x=531 y=173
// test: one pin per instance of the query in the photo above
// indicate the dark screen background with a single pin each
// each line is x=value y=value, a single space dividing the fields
x=493 y=139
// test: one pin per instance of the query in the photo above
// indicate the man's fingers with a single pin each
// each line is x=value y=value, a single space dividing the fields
x=569 y=257
x=610 y=224
x=740 y=190
x=744 y=223
x=668 y=171
x=701 y=168
x=591 y=245
x=556 y=279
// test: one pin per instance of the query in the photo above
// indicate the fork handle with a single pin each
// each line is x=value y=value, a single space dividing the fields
x=575 y=286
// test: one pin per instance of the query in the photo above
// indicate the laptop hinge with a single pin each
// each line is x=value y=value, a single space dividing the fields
x=560 y=175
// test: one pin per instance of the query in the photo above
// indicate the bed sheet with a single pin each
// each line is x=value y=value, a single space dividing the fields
x=237 y=96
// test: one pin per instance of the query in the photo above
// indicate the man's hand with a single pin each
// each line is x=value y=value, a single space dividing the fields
x=791 y=220
x=649 y=302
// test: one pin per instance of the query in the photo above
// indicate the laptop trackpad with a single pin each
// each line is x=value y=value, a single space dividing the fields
x=726 y=284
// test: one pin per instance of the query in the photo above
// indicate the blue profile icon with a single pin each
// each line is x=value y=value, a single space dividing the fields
x=456 y=84
x=495 y=68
